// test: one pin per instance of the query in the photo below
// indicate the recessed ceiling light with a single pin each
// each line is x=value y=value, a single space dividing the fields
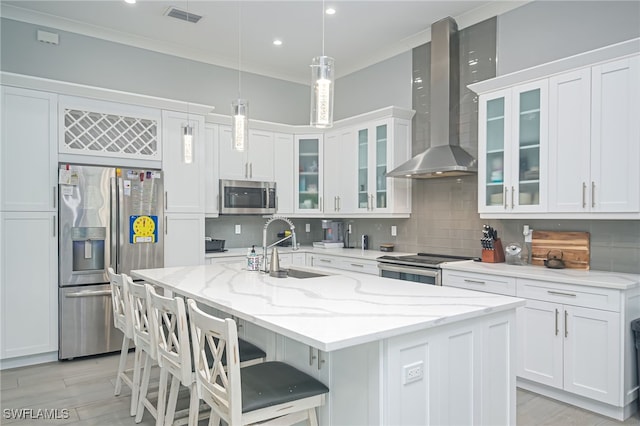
x=330 y=11
x=277 y=42
x=130 y=1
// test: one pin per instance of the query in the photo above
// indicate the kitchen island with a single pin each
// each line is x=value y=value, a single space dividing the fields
x=392 y=352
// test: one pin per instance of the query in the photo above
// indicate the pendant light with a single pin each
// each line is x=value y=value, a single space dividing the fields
x=322 y=72
x=240 y=107
x=187 y=133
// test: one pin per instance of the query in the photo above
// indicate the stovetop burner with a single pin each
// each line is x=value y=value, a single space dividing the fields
x=422 y=259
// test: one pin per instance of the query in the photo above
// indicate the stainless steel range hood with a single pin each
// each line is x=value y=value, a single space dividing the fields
x=444 y=157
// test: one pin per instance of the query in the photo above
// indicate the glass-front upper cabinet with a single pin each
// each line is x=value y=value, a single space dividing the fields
x=512 y=149
x=373 y=145
x=308 y=149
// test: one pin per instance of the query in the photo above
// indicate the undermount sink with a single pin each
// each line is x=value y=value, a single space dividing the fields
x=304 y=273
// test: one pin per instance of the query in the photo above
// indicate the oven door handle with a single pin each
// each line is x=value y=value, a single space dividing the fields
x=409 y=270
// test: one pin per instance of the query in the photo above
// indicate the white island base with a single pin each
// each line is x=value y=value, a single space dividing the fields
x=457 y=374
x=391 y=352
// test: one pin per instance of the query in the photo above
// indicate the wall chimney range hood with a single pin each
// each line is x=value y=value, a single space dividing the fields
x=445 y=157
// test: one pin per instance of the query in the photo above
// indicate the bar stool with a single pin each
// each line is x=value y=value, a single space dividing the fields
x=122 y=320
x=144 y=344
x=256 y=393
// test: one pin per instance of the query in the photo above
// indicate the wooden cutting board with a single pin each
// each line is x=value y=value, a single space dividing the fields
x=573 y=245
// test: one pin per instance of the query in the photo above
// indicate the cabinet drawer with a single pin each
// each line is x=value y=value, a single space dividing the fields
x=590 y=297
x=325 y=261
x=361 y=266
x=480 y=282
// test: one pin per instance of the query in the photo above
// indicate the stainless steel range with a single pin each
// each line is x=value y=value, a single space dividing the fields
x=422 y=267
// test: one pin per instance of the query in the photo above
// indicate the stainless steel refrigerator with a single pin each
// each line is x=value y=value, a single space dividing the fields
x=108 y=217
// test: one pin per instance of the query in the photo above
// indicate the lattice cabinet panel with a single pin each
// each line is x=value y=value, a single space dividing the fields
x=109 y=129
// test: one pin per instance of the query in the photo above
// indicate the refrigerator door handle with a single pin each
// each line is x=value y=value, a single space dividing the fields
x=93 y=293
x=113 y=186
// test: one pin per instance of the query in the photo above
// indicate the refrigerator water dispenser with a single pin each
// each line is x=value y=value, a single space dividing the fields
x=88 y=248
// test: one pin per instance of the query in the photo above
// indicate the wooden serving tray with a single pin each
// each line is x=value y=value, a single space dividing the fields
x=573 y=245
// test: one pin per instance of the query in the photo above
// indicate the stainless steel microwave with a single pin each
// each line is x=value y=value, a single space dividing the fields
x=247 y=197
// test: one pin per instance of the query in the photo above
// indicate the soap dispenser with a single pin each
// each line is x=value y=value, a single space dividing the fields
x=252 y=260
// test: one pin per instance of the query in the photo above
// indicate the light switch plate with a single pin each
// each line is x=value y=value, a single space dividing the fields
x=238 y=229
x=307 y=227
x=394 y=230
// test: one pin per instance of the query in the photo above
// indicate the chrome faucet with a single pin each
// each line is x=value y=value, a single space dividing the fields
x=265 y=267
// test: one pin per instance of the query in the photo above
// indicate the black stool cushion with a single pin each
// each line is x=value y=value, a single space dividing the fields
x=272 y=383
x=248 y=351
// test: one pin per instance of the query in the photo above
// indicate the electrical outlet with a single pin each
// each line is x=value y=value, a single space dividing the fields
x=412 y=372
x=307 y=227
x=394 y=230
x=349 y=228
x=238 y=229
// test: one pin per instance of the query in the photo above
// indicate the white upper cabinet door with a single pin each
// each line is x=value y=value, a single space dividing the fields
x=255 y=163
x=570 y=141
x=340 y=178
x=260 y=156
x=183 y=171
x=28 y=151
x=283 y=172
x=309 y=181
x=211 y=186
x=615 y=136
x=232 y=164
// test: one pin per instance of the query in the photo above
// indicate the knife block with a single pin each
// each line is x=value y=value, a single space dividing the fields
x=494 y=256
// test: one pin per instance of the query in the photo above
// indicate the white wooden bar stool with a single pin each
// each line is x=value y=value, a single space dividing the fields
x=144 y=344
x=168 y=324
x=122 y=320
x=267 y=393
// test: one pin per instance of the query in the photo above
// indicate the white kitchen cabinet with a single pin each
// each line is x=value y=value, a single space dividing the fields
x=28 y=154
x=615 y=136
x=340 y=154
x=479 y=282
x=309 y=177
x=183 y=239
x=345 y=263
x=593 y=139
x=184 y=177
x=283 y=173
x=382 y=145
x=29 y=290
x=255 y=163
x=91 y=130
x=513 y=144
x=211 y=180
x=570 y=339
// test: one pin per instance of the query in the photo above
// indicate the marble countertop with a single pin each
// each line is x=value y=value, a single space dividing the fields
x=354 y=253
x=615 y=280
x=330 y=312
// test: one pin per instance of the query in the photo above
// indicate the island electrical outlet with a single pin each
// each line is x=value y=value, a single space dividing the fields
x=412 y=372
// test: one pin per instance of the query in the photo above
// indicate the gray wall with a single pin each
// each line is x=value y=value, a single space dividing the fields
x=91 y=61
x=543 y=31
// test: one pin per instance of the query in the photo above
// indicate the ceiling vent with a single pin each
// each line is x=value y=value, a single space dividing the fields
x=183 y=15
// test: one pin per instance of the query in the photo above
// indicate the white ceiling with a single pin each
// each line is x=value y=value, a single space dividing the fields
x=360 y=34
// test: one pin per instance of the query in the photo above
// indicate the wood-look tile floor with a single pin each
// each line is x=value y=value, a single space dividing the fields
x=84 y=387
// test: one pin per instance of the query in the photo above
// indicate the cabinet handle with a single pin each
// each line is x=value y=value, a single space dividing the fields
x=339 y=204
x=560 y=293
x=557 y=330
x=512 y=192
x=166 y=228
x=246 y=170
x=325 y=260
x=166 y=200
x=566 y=326
x=506 y=191
x=584 y=195
x=474 y=281
x=250 y=170
x=320 y=360
x=593 y=194
x=321 y=205
x=358 y=265
x=54 y=226
x=335 y=204
x=312 y=357
x=55 y=196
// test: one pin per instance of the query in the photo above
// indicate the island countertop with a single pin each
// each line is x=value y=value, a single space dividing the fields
x=330 y=312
